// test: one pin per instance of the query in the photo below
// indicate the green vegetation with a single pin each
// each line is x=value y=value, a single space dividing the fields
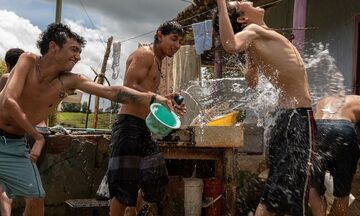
x=52 y=119
x=3 y=68
x=77 y=120
x=70 y=107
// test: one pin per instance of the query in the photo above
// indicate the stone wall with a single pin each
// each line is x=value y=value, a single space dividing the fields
x=74 y=166
x=72 y=169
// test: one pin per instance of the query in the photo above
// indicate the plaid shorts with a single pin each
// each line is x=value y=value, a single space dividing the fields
x=136 y=162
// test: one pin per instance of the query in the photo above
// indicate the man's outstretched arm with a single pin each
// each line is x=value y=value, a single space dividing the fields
x=120 y=94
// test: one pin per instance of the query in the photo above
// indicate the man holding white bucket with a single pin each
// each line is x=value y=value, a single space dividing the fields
x=136 y=161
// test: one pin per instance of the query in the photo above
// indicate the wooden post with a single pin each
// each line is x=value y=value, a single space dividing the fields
x=166 y=82
x=230 y=181
x=356 y=58
x=58 y=11
x=299 y=21
x=217 y=58
x=100 y=79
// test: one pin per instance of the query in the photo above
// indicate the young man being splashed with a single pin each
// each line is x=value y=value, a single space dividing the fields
x=242 y=28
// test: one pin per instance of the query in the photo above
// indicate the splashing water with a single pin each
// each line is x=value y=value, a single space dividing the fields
x=214 y=98
x=324 y=76
x=220 y=96
x=262 y=100
x=217 y=97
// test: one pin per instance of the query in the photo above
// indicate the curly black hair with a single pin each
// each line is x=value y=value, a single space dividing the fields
x=169 y=27
x=12 y=56
x=58 y=33
x=233 y=15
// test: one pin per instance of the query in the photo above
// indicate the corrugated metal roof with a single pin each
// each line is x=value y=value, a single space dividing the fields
x=202 y=10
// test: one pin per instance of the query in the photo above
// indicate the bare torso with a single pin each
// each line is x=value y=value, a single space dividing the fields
x=149 y=81
x=37 y=100
x=276 y=57
x=339 y=107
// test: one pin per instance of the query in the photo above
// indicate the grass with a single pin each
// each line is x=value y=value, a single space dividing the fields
x=77 y=120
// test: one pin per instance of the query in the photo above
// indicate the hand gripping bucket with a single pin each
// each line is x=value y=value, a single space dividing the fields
x=161 y=121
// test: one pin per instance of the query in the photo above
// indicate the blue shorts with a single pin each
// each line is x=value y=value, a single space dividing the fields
x=19 y=176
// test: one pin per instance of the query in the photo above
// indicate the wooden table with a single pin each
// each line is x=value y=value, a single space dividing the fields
x=209 y=143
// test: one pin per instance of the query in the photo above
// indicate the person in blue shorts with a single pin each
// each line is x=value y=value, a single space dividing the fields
x=11 y=58
x=35 y=87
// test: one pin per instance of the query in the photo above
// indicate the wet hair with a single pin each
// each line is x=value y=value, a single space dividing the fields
x=59 y=33
x=12 y=56
x=233 y=15
x=170 y=27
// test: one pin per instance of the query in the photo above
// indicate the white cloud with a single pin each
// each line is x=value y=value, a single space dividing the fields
x=18 y=32
x=26 y=34
x=127 y=18
x=92 y=54
x=120 y=19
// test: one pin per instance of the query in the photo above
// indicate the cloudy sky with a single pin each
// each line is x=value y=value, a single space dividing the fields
x=21 y=22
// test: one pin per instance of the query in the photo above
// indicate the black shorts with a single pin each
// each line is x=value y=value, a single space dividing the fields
x=135 y=162
x=338 y=153
x=290 y=154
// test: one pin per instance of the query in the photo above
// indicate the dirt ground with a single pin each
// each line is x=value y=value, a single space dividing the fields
x=354 y=209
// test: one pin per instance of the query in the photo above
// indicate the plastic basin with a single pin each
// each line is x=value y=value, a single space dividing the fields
x=161 y=121
x=226 y=120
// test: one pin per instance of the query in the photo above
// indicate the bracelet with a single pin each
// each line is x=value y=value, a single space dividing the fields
x=152 y=99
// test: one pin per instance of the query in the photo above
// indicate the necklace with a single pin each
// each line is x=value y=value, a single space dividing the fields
x=158 y=63
x=159 y=66
x=62 y=93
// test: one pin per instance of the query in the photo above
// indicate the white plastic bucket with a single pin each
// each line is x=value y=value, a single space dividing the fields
x=193 y=196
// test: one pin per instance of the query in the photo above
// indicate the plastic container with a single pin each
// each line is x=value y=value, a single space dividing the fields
x=161 y=121
x=212 y=196
x=193 y=196
x=226 y=120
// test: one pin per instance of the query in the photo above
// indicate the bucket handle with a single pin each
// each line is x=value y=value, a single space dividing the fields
x=205 y=205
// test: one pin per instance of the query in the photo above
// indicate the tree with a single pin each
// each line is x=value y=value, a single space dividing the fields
x=70 y=107
x=3 y=68
x=52 y=119
x=84 y=107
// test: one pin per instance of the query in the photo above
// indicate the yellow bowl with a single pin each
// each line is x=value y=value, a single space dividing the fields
x=226 y=120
